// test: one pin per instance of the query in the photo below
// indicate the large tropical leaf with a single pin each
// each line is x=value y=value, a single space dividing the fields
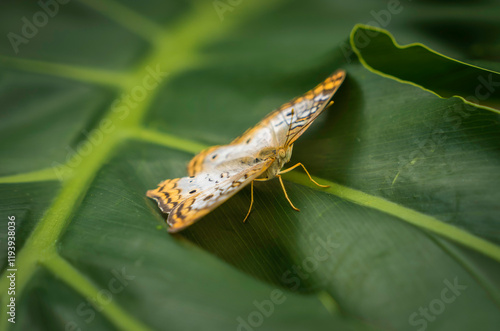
x=108 y=98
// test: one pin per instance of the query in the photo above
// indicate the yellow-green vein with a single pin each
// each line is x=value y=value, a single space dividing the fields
x=78 y=73
x=71 y=276
x=42 y=175
x=166 y=140
x=406 y=214
x=49 y=229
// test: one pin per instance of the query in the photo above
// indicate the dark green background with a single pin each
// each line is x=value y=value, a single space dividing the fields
x=413 y=168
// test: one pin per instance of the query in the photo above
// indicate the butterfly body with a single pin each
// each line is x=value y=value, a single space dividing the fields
x=279 y=156
x=219 y=172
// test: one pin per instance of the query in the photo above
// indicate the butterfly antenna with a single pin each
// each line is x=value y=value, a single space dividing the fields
x=289 y=128
x=296 y=133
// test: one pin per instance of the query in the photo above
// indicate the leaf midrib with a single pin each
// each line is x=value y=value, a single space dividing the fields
x=361 y=198
x=40 y=246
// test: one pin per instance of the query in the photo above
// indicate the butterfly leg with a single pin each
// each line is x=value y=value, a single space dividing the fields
x=286 y=195
x=307 y=172
x=251 y=201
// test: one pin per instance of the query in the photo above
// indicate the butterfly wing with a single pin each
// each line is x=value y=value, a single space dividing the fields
x=247 y=151
x=274 y=130
x=188 y=199
x=305 y=110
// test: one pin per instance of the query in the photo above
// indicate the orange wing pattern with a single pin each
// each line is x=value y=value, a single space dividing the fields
x=320 y=97
x=219 y=172
x=305 y=109
x=168 y=194
x=274 y=129
x=188 y=199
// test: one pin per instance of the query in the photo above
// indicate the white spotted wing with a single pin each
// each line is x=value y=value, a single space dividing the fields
x=219 y=172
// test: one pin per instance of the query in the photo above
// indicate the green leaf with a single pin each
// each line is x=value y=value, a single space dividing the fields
x=109 y=98
x=445 y=76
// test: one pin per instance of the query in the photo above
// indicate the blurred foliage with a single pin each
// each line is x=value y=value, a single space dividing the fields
x=101 y=100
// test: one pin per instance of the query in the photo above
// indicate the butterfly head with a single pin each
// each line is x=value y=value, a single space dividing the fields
x=280 y=156
x=283 y=154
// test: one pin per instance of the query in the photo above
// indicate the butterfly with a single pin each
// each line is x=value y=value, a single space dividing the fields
x=219 y=172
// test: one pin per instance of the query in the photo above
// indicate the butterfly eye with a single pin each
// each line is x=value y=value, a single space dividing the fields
x=282 y=153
